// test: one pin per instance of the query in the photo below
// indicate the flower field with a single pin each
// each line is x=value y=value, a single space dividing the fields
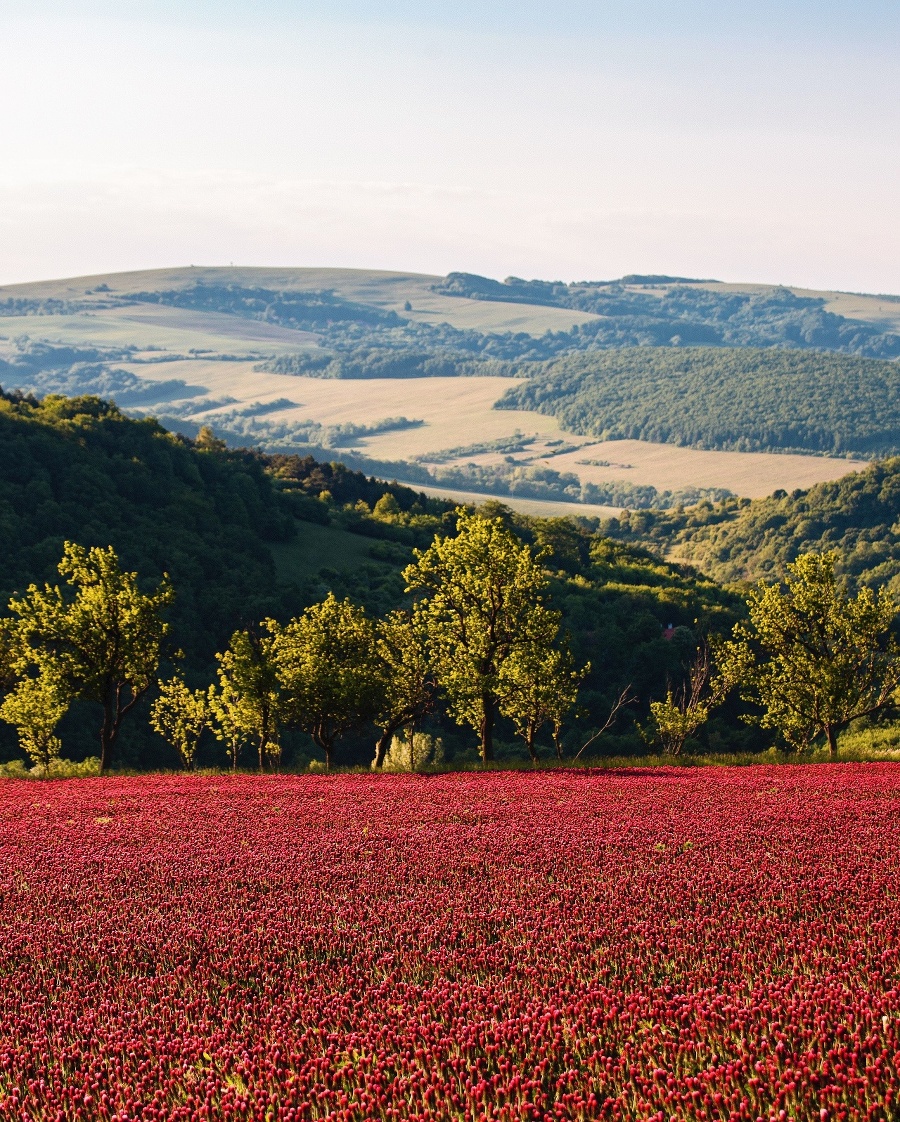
x=677 y=944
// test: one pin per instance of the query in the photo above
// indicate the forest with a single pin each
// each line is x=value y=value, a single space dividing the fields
x=235 y=554
x=740 y=398
x=744 y=540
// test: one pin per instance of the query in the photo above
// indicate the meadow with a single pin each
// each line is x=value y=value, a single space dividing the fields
x=672 y=944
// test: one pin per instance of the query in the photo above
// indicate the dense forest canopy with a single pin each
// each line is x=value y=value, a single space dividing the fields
x=742 y=398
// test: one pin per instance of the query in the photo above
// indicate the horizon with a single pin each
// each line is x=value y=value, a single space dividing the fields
x=687 y=139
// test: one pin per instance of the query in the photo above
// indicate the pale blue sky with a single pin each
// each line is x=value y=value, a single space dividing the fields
x=573 y=140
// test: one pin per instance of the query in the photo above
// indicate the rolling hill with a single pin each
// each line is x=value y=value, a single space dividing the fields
x=408 y=374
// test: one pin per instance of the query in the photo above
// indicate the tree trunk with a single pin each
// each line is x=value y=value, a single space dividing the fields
x=107 y=736
x=260 y=747
x=383 y=743
x=529 y=740
x=557 y=741
x=487 y=729
x=831 y=733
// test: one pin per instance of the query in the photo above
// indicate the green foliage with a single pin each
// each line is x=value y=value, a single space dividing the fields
x=413 y=751
x=181 y=716
x=406 y=694
x=858 y=517
x=674 y=721
x=687 y=707
x=35 y=707
x=103 y=644
x=538 y=682
x=246 y=706
x=56 y=768
x=211 y=519
x=483 y=601
x=303 y=475
x=813 y=658
x=77 y=469
x=328 y=670
x=671 y=311
x=711 y=397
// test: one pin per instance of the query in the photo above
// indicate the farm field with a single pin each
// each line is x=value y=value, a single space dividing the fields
x=672 y=944
x=388 y=290
x=538 y=508
x=456 y=411
x=460 y=411
x=751 y=474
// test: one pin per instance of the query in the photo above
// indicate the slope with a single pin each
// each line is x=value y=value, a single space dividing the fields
x=858 y=516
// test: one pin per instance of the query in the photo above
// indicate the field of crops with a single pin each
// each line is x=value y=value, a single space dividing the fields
x=681 y=944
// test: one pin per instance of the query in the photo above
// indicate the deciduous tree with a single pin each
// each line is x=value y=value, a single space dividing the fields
x=328 y=668
x=481 y=589
x=34 y=708
x=407 y=679
x=813 y=657
x=246 y=706
x=539 y=682
x=103 y=643
x=687 y=707
x=181 y=716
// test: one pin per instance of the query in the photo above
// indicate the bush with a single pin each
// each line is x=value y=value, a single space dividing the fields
x=424 y=751
x=57 y=769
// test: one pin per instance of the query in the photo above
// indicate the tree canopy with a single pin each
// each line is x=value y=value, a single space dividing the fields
x=103 y=643
x=483 y=600
x=811 y=656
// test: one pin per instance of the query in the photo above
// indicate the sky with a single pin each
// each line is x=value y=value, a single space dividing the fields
x=569 y=140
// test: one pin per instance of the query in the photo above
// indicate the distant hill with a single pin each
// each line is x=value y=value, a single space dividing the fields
x=309 y=360
x=858 y=516
x=742 y=398
x=666 y=311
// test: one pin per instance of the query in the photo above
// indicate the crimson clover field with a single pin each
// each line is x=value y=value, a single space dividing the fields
x=671 y=944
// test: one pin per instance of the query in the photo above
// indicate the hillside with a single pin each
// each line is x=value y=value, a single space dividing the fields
x=245 y=535
x=742 y=398
x=858 y=516
x=661 y=311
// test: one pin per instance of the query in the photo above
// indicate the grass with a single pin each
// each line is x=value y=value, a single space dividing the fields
x=320 y=547
x=68 y=769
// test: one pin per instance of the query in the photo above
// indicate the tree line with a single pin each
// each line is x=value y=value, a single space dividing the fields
x=479 y=636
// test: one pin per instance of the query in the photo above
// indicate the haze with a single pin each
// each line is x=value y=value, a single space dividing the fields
x=584 y=141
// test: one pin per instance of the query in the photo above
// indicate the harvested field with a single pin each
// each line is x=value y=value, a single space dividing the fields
x=456 y=411
x=459 y=412
x=751 y=474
